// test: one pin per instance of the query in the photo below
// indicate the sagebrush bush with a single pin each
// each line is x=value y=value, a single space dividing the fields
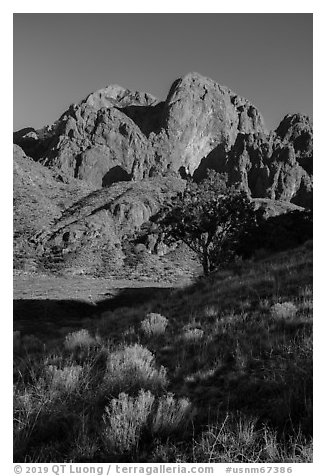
x=193 y=335
x=154 y=324
x=66 y=380
x=124 y=420
x=211 y=311
x=283 y=310
x=171 y=414
x=132 y=368
x=23 y=401
x=79 y=339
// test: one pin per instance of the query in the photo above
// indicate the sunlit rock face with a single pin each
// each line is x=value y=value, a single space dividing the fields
x=198 y=116
x=116 y=135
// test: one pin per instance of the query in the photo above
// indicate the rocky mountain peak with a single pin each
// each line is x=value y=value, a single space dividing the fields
x=116 y=96
x=115 y=134
x=293 y=123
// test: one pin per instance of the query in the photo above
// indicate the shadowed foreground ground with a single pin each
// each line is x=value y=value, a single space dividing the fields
x=224 y=374
x=51 y=306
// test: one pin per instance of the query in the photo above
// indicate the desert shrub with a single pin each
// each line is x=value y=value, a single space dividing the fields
x=283 y=310
x=66 y=380
x=193 y=335
x=171 y=414
x=30 y=405
x=154 y=324
x=46 y=408
x=132 y=368
x=79 y=339
x=124 y=420
x=211 y=311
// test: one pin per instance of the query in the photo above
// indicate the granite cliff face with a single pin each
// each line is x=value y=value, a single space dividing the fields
x=198 y=116
x=109 y=162
x=115 y=134
x=118 y=135
x=276 y=165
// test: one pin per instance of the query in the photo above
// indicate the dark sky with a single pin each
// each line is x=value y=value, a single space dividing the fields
x=60 y=58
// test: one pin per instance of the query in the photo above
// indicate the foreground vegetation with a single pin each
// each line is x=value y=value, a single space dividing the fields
x=221 y=371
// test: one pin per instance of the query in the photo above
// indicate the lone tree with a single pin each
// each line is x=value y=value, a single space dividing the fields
x=210 y=218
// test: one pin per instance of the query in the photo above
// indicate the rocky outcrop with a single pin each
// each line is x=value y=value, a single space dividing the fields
x=93 y=140
x=276 y=166
x=116 y=135
x=99 y=146
x=108 y=233
x=198 y=116
x=62 y=224
x=273 y=208
x=40 y=194
x=116 y=96
x=297 y=130
x=89 y=235
x=39 y=197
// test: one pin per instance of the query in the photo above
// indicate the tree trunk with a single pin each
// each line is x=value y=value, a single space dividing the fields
x=205 y=264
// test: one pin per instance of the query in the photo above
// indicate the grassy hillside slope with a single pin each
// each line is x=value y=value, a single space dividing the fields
x=218 y=371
